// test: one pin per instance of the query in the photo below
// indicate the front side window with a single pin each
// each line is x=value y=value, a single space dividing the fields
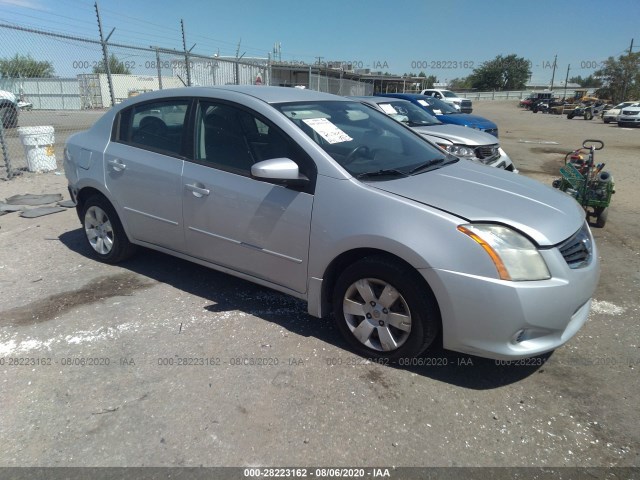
x=233 y=139
x=367 y=143
x=408 y=113
x=156 y=126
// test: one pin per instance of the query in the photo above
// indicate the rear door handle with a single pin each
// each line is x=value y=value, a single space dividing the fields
x=197 y=191
x=117 y=165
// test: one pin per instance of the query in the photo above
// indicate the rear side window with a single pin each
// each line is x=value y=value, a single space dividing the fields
x=155 y=126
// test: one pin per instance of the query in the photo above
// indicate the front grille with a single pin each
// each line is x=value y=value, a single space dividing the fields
x=486 y=151
x=466 y=103
x=578 y=249
x=630 y=112
x=492 y=131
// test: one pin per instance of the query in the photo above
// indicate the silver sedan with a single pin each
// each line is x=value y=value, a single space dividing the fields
x=330 y=201
x=465 y=143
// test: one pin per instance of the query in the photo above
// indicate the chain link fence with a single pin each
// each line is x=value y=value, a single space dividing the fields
x=58 y=84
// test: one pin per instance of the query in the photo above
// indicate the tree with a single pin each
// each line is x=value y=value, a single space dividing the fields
x=24 y=66
x=502 y=73
x=115 y=66
x=428 y=81
x=620 y=78
x=588 y=82
x=460 y=84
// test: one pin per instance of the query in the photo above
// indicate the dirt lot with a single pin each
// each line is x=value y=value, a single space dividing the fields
x=106 y=388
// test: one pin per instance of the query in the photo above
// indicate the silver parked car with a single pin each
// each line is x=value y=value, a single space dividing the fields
x=335 y=203
x=466 y=143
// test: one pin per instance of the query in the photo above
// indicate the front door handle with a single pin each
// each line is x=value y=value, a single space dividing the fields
x=197 y=191
x=117 y=165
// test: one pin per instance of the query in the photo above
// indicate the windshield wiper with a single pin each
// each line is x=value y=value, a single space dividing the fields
x=382 y=173
x=422 y=124
x=425 y=165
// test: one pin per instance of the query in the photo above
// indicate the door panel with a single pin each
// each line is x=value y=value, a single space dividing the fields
x=148 y=188
x=143 y=173
x=247 y=225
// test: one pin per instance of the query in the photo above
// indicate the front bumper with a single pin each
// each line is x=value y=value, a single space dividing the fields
x=503 y=161
x=630 y=119
x=508 y=320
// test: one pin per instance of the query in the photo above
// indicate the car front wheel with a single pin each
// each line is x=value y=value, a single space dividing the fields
x=384 y=310
x=104 y=232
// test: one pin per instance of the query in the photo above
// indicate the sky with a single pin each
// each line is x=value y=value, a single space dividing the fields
x=445 y=38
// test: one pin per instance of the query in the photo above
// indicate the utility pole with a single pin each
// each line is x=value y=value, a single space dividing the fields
x=105 y=56
x=565 y=83
x=553 y=75
x=624 y=87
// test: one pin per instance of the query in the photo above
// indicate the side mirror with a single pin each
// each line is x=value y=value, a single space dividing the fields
x=281 y=171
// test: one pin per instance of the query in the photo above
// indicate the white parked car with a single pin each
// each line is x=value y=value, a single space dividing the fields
x=629 y=117
x=8 y=109
x=461 y=104
x=611 y=115
x=463 y=142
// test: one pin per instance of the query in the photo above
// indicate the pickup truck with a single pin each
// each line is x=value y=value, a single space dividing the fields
x=461 y=104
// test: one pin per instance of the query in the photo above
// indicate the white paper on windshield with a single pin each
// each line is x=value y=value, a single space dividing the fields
x=388 y=109
x=437 y=112
x=424 y=103
x=327 y=130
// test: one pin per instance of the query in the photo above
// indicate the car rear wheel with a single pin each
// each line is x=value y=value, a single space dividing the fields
x=384 y=310
x=104 y=232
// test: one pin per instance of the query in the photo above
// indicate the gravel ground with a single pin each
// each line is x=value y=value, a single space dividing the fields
x=97 y=347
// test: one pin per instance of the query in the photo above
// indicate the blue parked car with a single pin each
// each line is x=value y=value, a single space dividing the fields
x=446 y=113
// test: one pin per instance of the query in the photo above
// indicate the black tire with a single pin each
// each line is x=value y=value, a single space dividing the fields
x=588 y=115
x=414 y=308
x=606 y=121
x=9 y=116
x=601 y=217
x=570 y=115
x=104 y=232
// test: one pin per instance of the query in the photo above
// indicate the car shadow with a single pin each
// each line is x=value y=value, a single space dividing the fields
x=228 y=293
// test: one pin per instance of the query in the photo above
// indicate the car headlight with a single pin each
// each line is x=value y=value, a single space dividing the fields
x=514 y=256
x=461 y=151
x=457 y=102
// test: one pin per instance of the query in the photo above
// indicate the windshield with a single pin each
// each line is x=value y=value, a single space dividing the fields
x=408 y=113
x=367 y=143
x=449 y=94
x=437 y=106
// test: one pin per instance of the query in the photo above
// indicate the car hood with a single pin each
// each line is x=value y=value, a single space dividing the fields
x=458 y=134
x=468 y=119
x=478 y=193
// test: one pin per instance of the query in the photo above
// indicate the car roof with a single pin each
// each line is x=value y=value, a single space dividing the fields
x=406 y=95
x=265 y=93
x=377 y=99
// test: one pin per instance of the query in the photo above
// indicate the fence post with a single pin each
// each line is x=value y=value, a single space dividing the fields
x=5 y=153
x=105 y=56
x=186 y=54
x=159 y=69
